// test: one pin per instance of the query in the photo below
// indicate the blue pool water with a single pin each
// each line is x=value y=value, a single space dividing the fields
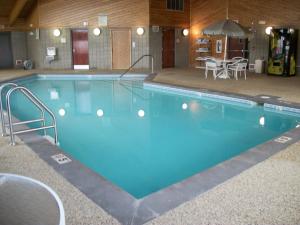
x=147 y=140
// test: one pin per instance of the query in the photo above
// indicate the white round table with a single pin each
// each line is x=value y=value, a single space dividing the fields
x=25 y=201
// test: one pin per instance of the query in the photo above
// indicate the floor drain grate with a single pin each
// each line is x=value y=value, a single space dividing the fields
x=283 y=139
x=61 y=159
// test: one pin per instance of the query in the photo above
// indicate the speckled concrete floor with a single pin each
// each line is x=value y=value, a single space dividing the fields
x=268 y=193
x=79 y=210
x=285 y=87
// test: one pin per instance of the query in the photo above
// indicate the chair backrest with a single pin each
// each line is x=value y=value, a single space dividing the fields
x=237 y=58
x=211 y=65
x=242 y=65
x=210 y=58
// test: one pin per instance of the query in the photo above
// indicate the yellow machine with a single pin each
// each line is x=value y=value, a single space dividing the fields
x=282 y=52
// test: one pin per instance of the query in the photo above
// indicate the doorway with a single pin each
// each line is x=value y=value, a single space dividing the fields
x=168 y=51
x=80 y=48
x=121 y=48
x=6 y=56
x=237 y=47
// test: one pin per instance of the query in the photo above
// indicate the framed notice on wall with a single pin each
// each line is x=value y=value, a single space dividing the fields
x=102 y=20
x=219 y=46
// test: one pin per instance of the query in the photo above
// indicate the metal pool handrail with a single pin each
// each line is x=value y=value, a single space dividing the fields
x=139 y=59
x=39 y=104
x=1 y=107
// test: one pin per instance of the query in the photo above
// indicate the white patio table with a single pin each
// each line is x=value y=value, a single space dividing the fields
x=223 y=74
x=25 y=201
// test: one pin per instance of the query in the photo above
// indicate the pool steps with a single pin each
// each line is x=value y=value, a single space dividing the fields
x=228 y=99
x=192 y=93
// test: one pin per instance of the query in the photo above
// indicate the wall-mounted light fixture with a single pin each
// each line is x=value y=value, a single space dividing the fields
x=140 y=31
x=96 y=31
x=185 y=32
x=268 y=30
x=56 y=32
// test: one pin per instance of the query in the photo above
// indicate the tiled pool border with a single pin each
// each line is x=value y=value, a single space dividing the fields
x=129 y=210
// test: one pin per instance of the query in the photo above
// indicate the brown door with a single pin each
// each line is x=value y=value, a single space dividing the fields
x=121 y=48
x=237 y=47
x=80 y=48
x=168 y=52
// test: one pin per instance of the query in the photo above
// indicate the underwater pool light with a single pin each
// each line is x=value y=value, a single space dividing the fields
x=100 y=112
x=141 y=113
x=62 y=112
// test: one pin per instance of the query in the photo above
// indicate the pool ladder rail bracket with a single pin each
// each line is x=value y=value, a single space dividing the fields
x=39 y=105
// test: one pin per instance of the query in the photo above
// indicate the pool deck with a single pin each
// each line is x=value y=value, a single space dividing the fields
x=267 y=193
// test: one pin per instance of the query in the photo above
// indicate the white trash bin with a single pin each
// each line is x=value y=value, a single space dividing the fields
x=259 y=66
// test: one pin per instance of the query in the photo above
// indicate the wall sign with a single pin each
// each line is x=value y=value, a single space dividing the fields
x=102 y=21
x=219 y=46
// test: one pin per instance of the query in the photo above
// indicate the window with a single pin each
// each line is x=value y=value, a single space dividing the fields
x=175 y=5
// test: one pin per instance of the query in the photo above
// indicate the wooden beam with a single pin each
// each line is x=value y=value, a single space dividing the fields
x=15 y=12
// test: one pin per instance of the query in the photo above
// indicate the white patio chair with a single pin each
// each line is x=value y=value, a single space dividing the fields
x=207 y=58
x=237 y=68
x=251 y=67
x=238 y=58
x=211 y=66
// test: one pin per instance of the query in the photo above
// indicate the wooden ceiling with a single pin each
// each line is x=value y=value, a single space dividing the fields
x=11 y=10
x=6 y=7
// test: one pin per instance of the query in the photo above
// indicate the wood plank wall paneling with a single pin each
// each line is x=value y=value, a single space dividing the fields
x=203 y=13
x=276 y=13
x=67 y=13
x=161 y=16
x=6 y=7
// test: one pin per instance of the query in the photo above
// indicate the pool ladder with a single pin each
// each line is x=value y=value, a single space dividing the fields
x=139 y=59
x=32 y=98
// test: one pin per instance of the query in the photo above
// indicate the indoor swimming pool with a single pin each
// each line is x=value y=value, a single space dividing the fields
x=142 y=139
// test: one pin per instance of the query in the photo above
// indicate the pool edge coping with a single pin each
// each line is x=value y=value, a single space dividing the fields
x=134 y=211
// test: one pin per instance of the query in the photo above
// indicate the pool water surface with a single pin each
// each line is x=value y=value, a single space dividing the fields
x=144 y=140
